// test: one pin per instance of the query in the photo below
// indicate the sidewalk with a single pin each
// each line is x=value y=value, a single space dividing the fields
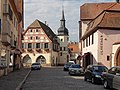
x=13 y=79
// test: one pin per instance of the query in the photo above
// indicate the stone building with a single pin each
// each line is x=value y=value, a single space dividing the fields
x=40 y=44
x=10 y=18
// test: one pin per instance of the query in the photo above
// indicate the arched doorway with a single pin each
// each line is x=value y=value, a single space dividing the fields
x=117 y=57
x=87 y=59
x=27 y=61
x=41 y=59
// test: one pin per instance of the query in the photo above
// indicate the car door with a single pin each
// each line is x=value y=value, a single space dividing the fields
x=116 y=79
x=110 y=76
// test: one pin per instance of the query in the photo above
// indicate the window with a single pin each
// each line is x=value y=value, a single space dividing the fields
x=71 y=49
x=61 y=54
x=89 y=40
x=108 y=58
x=60 y=48
x=36 y=30
x=46 y=45
x=22 y=45
x=37 y=45
x=83 y=43
x=64 y=48
x=36 y=37
x=61 y=39
x=31 y=30
x=92 y=38
x=31 y=38
x=112 y=70
x=29 y=45
x=10 y=13
x=67 y=38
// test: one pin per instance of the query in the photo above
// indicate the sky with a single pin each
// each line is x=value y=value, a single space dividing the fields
x=51 y=11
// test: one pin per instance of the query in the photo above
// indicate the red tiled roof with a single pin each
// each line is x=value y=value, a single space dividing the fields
x=92 y=10
x=107 y=19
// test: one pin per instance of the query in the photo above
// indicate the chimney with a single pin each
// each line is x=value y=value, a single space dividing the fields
x=46 y=23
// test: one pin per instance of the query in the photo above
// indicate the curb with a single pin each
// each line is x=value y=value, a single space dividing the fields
x=19 y=87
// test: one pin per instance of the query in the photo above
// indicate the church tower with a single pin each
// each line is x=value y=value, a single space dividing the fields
x=63 y=35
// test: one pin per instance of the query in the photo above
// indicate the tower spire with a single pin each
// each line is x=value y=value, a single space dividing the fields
x=63 y=17
x=62 y=30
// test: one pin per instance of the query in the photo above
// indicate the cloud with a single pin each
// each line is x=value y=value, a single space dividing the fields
x=50 y=11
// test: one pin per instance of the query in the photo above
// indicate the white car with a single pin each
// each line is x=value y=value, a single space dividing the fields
x=76 y=69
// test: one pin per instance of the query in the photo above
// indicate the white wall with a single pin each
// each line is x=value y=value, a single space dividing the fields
x=64 y=43
x=93 y=48
x=102 y=47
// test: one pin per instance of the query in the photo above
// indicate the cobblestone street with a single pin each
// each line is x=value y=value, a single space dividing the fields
x=13 y=79
x=57 y=79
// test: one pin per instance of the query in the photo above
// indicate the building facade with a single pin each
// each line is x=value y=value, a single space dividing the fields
x=10 y=19
x=40 y=44
x=63 y=36
x=100 y=32
x=74 y=51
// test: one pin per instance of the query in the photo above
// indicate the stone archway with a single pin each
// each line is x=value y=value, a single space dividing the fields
x=41 y=59
x=27 y=61
x=117 y=57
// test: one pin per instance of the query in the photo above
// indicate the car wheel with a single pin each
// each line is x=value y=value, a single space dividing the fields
x=85 y=79
x=106 y=86
x=93 y=80
x=69 y=73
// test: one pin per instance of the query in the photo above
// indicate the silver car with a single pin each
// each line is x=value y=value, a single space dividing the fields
x=36 y=66
x=112 y=78
x=75 y=69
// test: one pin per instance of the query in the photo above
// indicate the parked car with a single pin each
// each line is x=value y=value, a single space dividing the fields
x=67 y=65
x=36 y=66
x=75 y=69
x=94 y=73
x=112 y=78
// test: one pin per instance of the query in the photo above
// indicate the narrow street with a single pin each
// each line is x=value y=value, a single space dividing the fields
x=56 y=79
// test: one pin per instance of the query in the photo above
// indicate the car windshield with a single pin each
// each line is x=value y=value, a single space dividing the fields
x=36 y=64
x=69 y=64
x=76 y=66
x=100 y=68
